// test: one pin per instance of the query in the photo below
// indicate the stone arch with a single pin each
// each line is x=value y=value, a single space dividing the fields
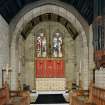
x=59 y=8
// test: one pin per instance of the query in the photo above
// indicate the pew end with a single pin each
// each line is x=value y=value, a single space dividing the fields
x=8 y=97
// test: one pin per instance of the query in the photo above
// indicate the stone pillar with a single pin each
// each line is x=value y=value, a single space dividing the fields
x=91 y=54
x=4 y=45
x=85 y=69
x=13 y=66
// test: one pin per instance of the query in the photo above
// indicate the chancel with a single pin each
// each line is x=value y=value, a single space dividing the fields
x=52 y=52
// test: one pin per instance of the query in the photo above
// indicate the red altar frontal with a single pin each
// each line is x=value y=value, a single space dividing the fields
x=49 y=68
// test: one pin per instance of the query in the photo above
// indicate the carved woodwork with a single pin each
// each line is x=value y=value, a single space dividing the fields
x=96 y=97
x=13 y=97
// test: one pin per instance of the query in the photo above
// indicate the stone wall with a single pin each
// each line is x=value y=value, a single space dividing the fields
x=19 y=65
x=69 y=60
x=29 y=61
x=79 y=60
x=21 y=60
x=4 y=45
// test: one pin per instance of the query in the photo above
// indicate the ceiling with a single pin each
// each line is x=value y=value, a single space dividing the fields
x=9 y=8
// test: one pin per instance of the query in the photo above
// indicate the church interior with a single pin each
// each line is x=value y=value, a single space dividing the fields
x=52 y=52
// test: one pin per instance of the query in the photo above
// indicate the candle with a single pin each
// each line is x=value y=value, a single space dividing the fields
x=4 y=67
x=19 y=66
x=80 y=67
x=7 y=69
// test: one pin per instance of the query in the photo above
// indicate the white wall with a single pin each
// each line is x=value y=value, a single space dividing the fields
x=4 y=45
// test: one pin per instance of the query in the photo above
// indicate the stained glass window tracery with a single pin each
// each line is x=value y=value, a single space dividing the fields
x=47 y=46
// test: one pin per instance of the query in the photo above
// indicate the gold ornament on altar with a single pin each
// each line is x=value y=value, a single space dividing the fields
x=6 y=74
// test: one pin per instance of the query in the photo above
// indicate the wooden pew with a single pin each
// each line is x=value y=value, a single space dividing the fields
x=23 y=97
x=13 y=97
x=77 y=101
x=4 y=95
x=79 y=98
x=98 y=96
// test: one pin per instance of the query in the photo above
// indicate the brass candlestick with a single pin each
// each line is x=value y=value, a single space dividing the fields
x=6 y=75
x=19 y=81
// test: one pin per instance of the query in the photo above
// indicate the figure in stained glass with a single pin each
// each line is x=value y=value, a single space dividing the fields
x=60 y=47
x=38 y=46
x=41 y=45
x=57 y=45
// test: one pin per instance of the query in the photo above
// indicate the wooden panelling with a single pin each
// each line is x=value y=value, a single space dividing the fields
x=98 y=96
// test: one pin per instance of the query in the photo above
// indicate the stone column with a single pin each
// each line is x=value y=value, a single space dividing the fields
x=4 y=45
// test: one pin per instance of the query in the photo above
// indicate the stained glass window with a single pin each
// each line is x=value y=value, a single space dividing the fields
x=41 y=50
x=57 y=45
